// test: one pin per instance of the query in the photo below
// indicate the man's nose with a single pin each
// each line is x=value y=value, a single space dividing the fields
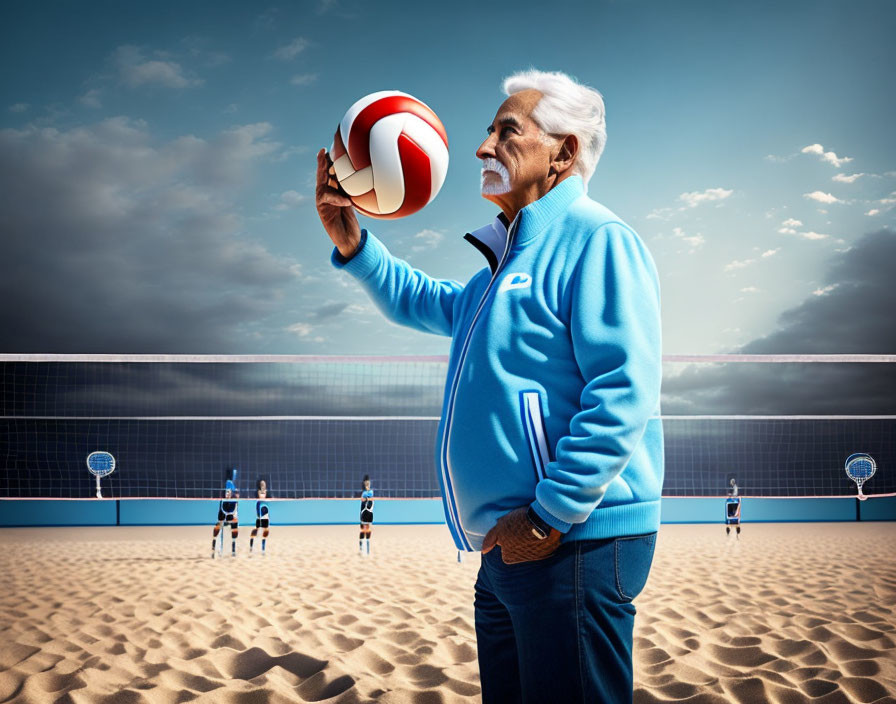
x=487 y=148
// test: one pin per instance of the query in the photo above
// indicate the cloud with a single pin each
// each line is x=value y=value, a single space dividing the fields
x=855 y=317
x=304 y=331
x=127 y=245
x=197 y=48
x=873 y=211
x=331 y=312
x=829 y=157
x=843 y=178
x=822 y=197
x=303 y=79
x=789 y=228
x=749 y=289
x=850 y=312
x=328 y=311
x=427 y=239
x=739 y=264
x=91 y=99
x=695 y=198
x=288 y=52
x=19 y=107
x=289 y=152
x=693 y=241
x=660 y=213
x=136 y=70
x=267 y=20
x=222 y=160
x=301 y=329
x=690 y=200
x=290 y=199
x=770 y=252
x=182 y=389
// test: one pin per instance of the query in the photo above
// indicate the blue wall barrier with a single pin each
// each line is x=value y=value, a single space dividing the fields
x=96 y=512
x=150 y=512
x=687 y=510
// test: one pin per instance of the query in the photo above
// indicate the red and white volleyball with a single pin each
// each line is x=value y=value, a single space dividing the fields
x=390 y=154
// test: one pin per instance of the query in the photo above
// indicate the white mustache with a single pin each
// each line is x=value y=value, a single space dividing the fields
x=490 y=164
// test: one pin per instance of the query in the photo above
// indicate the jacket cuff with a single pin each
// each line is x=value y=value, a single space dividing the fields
x=339 y=261
x=550 y=519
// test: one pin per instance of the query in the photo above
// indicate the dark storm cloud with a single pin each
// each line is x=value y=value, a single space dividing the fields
x=141 y=389
x=853 y=316
x=113 y=244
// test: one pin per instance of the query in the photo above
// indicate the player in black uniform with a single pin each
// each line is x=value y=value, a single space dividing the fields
x=262 y=516
x=366 y=515
x=227 y=513
x=732 y=508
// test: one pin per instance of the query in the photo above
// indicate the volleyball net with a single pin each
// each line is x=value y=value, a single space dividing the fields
x=313 y=426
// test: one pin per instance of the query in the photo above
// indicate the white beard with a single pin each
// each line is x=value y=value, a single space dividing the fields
x=490 y=188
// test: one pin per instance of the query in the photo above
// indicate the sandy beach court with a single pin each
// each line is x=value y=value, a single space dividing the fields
x=790 y=613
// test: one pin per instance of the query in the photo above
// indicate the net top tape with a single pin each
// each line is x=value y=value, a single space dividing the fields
x=432 y=359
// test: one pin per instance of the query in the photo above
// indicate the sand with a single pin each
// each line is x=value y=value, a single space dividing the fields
x=790 y=613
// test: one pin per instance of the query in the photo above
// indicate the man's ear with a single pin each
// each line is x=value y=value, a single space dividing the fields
x=566 y=154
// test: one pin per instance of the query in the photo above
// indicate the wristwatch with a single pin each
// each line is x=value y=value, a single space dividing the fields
x=540 y=528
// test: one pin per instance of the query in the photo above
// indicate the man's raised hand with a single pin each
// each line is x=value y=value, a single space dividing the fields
x=335 y=208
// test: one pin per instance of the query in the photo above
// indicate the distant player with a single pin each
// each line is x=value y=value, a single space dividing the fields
x=732 y=508
x=262 y=516
x=366 y=515
x=227 y=514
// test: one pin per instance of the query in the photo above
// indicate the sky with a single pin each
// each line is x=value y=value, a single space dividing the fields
x=157 y=165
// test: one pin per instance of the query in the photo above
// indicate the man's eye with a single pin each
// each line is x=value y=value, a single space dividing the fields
x=507 y=130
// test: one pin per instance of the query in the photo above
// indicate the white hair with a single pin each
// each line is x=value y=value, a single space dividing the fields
x=566 y=107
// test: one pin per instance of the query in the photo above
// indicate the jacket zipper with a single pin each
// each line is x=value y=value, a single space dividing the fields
x=454 y=512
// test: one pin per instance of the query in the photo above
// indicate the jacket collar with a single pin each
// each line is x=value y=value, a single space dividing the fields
x=491 y=239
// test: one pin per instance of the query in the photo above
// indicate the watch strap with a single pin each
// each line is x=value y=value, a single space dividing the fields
x=541 y=529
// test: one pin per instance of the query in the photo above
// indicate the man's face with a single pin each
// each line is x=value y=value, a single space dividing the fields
x=228 y=494
x=517 y=144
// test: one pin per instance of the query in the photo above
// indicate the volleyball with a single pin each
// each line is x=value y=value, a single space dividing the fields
x=390 y=154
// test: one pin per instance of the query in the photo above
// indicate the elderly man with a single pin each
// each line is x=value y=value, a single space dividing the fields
x=550 y=448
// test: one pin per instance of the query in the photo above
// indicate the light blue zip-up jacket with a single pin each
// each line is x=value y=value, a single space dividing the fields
x=552 y=395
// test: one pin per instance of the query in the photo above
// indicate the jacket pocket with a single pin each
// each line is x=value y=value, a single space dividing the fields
x=532 y=417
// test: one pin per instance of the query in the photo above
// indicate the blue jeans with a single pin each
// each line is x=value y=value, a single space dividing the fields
x=560 y=629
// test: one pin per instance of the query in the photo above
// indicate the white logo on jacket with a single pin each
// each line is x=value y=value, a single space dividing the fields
x=512 y=281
